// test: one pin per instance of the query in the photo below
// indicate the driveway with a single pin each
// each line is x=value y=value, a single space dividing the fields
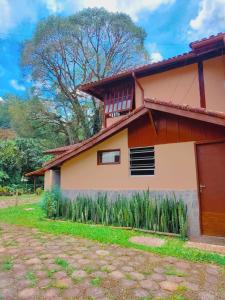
x=35 y=265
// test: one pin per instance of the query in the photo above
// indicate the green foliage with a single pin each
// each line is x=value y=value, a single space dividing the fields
x=61 y=262
x=170 y=270
x=39 y=191
x=7 y=265
x=96 y=281
x=67 y=51
x=50 y=202
x=4 y=115
x=31 y=277
x=139 y=211
x=18 y=157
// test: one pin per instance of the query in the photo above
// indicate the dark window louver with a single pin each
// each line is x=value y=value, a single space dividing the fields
x=142 y=161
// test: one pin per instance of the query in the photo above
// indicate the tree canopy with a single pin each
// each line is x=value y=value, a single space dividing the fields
x=66 y=52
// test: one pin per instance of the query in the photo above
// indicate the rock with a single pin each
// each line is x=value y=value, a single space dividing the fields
x=148 y=284
x=206 y=296
x=71 y=293
x=139 y=293
x=158 y=277
x=147 y=241
x=127 y=283
x=102 y=252
x=28 y=293
x=79 y=274
x=136 y=275
x=117 y=275
x=169 y=286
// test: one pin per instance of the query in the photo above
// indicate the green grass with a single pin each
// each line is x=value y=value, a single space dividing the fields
x=96 y=281
x=32 y=278
x=64 y=265
x=104 y=234
x=7 y=265
x=172 y=271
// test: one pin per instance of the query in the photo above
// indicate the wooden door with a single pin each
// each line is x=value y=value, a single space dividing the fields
x=211 y=175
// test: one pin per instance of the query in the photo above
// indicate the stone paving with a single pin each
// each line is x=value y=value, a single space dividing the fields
x=36 y=265
x=15 y=202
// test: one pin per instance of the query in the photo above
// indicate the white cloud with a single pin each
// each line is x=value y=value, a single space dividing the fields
x=19 y=87
x=154 y=53
x=5 y=16
x=210 y=18
x=131 y=7
x=13 y=12
x=1 y=100
x=156 y=56
x=54 y=6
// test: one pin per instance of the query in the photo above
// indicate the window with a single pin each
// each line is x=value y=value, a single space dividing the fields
x=108 y=157
x=119 y=99
x=142 y=161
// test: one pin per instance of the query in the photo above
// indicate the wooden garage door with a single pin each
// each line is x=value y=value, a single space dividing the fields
x=211 y=173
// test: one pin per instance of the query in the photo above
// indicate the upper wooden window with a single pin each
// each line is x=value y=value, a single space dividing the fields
x=106 y=157
x=119 y=99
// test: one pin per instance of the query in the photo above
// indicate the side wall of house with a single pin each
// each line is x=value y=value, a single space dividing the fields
x=181 y=85
x=172 y=160
x=51 y=179
x=48 y=180
x=175 y=173
x=214 y=78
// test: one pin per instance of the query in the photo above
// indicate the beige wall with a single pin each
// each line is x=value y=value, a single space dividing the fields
x=181 y=85
x=214 y=77
x=178 y=85
x=175 y=168
x=48 y=180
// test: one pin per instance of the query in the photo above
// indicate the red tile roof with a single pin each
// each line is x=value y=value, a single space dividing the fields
x=185 y=57
x=60 y=150
x=152 y=104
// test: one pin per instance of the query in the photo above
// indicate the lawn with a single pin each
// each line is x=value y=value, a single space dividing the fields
x=104 y=234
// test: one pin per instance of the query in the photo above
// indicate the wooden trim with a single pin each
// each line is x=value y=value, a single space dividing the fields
x=186 y=113
x=201 y=84
x=198 y=187
x=110 y=163
x=152 y=121
x=140 y=87
x=210 y=142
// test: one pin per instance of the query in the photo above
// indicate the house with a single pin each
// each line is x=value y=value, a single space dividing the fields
x=164 y=130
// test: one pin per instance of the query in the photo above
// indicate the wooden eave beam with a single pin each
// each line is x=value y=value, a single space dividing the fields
x=152 y=121
x=186 y=113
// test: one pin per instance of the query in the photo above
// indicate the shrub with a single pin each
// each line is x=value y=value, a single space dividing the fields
x=164 y=214
x=39 y=191
x=50 y=202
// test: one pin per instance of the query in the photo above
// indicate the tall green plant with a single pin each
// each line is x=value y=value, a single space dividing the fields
x=141 y=210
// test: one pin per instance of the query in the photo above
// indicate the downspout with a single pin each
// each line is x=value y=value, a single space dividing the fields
x=140 y=86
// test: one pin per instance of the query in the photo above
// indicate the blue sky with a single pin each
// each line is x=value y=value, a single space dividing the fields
x=170 y=24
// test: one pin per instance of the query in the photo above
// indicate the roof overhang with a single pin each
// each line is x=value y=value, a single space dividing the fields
x=201 y=50
x=185 y=111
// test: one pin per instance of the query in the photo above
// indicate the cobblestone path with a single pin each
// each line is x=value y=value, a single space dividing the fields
x=35 y=265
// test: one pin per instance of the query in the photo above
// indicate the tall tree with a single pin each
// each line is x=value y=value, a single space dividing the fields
x=66 y=52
